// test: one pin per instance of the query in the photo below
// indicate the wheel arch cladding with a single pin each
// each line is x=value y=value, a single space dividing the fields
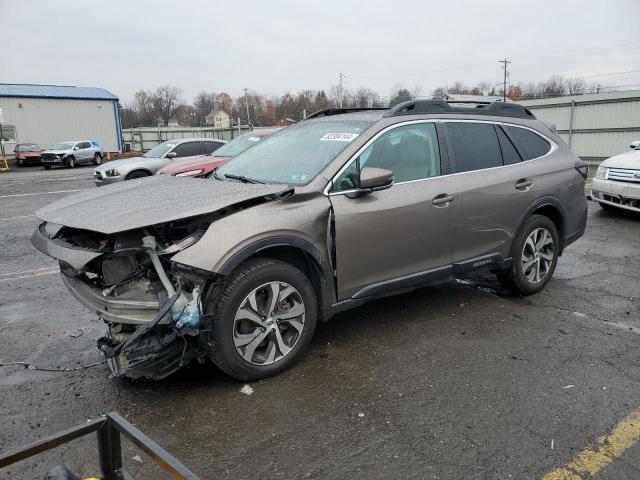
x=555 y=214
x=299 y=253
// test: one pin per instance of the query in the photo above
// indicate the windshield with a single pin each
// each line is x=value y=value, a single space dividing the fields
x=28 y=148
x=296 y=154
x=237 y=145
x=63 y=146
x=159 y=150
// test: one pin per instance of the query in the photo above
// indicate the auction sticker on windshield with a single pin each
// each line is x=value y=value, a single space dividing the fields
x=339 y=137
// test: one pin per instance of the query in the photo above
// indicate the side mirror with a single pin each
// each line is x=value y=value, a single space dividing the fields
x=76 y=148
x=635 y=144
x=375 y=178
x=172 y=155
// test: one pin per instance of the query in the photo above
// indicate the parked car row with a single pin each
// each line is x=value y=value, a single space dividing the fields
x=64 y=154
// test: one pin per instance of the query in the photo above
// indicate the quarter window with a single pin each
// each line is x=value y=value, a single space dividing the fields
x=529 y=144
x=509 y=153
x=411 y=152
x=473 y=146
x=188 y=149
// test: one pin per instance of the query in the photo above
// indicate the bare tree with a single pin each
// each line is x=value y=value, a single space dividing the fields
x=203 y=104
x=575 y=86
x=165 y=102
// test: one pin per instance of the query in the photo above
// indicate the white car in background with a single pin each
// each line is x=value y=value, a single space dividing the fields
x=617 y=181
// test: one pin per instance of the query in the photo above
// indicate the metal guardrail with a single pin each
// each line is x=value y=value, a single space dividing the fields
x=108 y=429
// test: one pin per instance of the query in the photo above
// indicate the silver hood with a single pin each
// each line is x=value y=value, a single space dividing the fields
x=149 y=201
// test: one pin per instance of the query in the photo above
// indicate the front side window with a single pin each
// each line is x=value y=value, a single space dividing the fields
x=188 y=149
x=296 y=154
x=529 y=144
x=411 y=152
x=159 y=150
x=472 y=146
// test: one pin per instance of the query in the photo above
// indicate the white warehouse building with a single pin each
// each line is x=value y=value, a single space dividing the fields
x=48 y=114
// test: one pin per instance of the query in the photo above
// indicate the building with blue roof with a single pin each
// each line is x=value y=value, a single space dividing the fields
x=48 y=114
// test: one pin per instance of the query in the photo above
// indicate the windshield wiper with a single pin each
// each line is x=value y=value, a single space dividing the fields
x=242 y=178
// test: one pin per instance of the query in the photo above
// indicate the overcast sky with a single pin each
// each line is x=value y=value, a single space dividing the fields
x=273 y=46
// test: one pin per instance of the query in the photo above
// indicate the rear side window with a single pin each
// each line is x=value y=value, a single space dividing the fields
x=473 y=146
x=529 y=144
x=210 y=147
x=188 y=149
x=509 y=153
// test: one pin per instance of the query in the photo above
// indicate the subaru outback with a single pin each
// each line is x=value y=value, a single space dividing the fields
x=325 y=215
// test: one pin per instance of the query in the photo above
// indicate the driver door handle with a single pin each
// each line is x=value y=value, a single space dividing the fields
x=443 y=199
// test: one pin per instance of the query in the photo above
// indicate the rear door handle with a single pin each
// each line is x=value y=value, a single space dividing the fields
x=443 y=199
x=523 y=184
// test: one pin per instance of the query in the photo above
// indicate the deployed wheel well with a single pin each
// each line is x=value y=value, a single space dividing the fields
x=556 y=217
x=307 y=265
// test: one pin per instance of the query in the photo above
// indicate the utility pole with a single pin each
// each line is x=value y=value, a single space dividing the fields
x=246 y=104
x=340 y=91
x=505 y=62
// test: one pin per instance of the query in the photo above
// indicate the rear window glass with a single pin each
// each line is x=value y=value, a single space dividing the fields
x=474 y=146
x=529 y=144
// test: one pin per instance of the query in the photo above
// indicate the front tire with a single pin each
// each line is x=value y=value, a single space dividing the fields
x=71 y=162
x=97 y=159
x=264 y=319
x=535 y=255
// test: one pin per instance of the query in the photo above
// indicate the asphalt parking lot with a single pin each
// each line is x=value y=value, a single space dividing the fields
x=456 y=381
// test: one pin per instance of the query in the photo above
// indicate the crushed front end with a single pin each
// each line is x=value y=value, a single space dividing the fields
x=151 y=305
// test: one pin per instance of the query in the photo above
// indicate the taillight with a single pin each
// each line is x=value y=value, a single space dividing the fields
x=583 y=168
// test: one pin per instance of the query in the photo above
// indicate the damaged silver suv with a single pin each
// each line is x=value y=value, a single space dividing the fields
x=341 y=208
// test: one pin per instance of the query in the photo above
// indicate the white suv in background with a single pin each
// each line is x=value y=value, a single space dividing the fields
x=617 y=181
x=70 y=154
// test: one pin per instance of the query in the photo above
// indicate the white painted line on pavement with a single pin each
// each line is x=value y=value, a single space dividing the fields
x=42 y=193
x=35 y=271
x=19 y=217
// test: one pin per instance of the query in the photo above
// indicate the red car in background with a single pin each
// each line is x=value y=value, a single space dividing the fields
x=28 y=154
x=202 y=165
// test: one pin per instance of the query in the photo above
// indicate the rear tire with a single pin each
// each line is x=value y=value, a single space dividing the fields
x=97 y=159
x=535 y=255
x=249 y=342
x=137 y=174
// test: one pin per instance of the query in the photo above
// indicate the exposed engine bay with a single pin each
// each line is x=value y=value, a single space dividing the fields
x=151 y=305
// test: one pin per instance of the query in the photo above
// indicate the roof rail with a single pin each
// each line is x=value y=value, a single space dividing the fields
x=417 y=107
x=337 y=111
